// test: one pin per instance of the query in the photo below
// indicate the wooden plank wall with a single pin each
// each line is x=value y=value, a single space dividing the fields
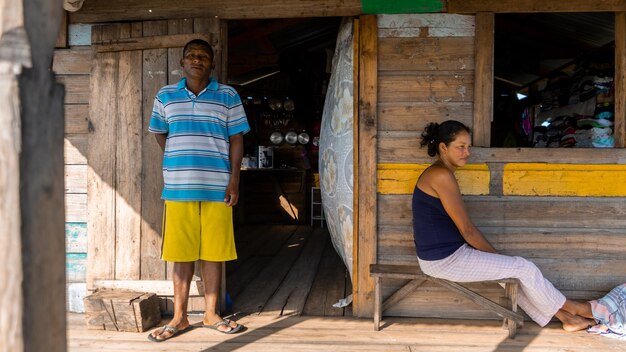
x=124 y=158
x=426 y=73
x=124 y=177
x=72 y=67
x=576 y=235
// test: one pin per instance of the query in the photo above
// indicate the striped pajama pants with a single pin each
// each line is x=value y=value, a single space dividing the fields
x=536 y=295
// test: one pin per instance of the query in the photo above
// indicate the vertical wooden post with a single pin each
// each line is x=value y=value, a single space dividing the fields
x=11 y=24
x=620 y=80
x=11 y=249
x=62 y=37
x=127 y=149
x=101 y=174
x=355 y=155
x=483 y=79
x=368 y=125
x=41 y=185
x=378 y=305
x=154 y=77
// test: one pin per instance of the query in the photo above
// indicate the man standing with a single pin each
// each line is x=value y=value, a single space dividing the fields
x=199 y=125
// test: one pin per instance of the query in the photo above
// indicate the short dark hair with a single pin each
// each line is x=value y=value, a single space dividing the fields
x=445 y=132
x=199 y=42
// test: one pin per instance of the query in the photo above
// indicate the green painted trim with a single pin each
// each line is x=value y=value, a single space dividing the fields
x=75 y=267
x=76 y=237
x=401 y=6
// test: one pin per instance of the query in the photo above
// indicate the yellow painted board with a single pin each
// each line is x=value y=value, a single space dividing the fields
x=400 y=178
x=598 y=180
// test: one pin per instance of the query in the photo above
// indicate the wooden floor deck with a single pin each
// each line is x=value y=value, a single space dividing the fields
x=342 y=334
x=286 y=270
x=283 y=286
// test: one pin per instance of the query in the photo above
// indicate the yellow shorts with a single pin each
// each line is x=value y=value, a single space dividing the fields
x=198 y=230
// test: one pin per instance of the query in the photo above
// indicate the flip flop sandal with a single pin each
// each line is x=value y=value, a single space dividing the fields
x=224 y=322
x=172 y=330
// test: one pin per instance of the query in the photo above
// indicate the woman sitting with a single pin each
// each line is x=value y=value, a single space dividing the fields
x=450 y=247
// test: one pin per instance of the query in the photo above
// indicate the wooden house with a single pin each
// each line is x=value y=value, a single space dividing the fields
x=417 y=62
x=431 y=63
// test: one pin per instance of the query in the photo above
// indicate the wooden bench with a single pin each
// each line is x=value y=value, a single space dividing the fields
x=507 y=308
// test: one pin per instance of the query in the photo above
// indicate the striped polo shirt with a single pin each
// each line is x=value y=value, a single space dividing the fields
x=196 y=164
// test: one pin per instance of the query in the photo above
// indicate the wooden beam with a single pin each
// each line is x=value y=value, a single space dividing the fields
x=160 y=287
x=103 y=112
x=368 y=100
x=142 y=43
x=11 y=250
x=483 y=79
x=62 y=36
x=127 y=161
x=396 y=147
x=155 y=75
x=476 y=6
x=620 y=80
x=402 y=292
x=480 y=300
x=356 y=34
x=96 y=11
x=41 y=184
x=11 y=294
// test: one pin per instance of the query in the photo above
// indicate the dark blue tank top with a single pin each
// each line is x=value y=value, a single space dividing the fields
x=435 y=234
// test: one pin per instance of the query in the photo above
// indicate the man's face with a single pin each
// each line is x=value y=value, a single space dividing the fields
x=197 y=62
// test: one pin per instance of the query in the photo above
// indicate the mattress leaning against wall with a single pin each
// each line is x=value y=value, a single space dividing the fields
x=337 y=145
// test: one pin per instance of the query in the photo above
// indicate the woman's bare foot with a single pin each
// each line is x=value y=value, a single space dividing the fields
x=573 y=322
x=578 y=308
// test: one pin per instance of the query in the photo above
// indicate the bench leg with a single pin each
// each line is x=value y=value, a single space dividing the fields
x=378 y=306
x=510 y=292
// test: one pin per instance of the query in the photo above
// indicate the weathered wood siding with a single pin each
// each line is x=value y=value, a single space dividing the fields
x=426 y=73
x=567 y=216
x=72 y=66
x=124 y=177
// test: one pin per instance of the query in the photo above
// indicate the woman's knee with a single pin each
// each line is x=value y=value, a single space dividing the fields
x=528 y=267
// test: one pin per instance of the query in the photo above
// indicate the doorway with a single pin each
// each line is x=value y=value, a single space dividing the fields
x=286 y=266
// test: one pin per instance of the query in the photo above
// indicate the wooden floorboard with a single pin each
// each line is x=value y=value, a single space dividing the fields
x=282 y=269
x=237 y=281
x=303 y=334
x=329 y=285
x=290 y=297
x=255 y=295
x=258 y=240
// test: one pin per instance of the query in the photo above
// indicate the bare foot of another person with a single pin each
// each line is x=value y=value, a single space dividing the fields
x=573 y=322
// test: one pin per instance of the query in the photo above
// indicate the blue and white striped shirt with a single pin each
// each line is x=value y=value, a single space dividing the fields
x=196 y=163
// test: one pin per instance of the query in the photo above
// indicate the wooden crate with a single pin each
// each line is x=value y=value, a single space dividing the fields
x=121 y=310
